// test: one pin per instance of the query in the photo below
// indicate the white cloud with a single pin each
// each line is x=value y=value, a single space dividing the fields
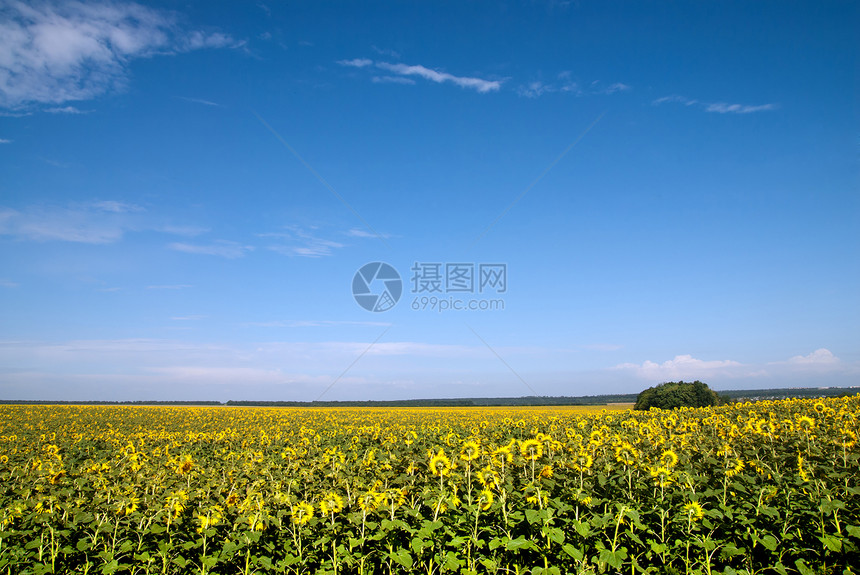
x=201 y=101
x=681 y=367
x=675 y=99
x=535 y=89
x=603 y=347
x=315 y=323
x=87 y=225
x=723 y=108
x=175 y=286
x=67 y=110
x=356 y=62
x=393 y=80
x=477 y=84
x=613 y=88
x=52 y=52
x=223 y=248
x=362 y=233
x=565 y=85
x=7 y=283
x=100 y=222
x=5 y=141
x=819 y=357
x=402 y=72
x=714 y=107
x=296 y=241
x=117 y=207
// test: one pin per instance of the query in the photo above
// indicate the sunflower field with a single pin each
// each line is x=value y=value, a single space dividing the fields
x=767 y=487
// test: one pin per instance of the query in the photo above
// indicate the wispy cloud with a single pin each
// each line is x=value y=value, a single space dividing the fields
x=55 y=52
x=89 y=224
x=610 y=89
x=67 y=110
x=723 y=108
x=5 y=141
x=362 y=233
x=170 y=287
x=296 y=241
x=564 y=84
x=386 y=52
x=315 y=323
x=603 y=347
x=7 y=283
x=714 y=107
x=477 y=84
x=188 y=318
x=675 y=99
x=536 y=89
x=117 y=207
x=201 y=101
x=223 y=248
x=819 y=357
x=181 y=230
x=393 y=80
x=97 y=222
x=405 y=71
x=681 y=367
x=356 y=62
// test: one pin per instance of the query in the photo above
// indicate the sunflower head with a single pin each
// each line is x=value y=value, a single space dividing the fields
x=531 y=449
x=470 y=451
x=440 y=464
x=302 y=513
x=332 y=503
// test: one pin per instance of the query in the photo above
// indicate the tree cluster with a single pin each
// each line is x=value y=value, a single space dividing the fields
x=674 y=394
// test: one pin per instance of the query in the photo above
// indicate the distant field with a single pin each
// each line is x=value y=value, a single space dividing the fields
x=770 y=487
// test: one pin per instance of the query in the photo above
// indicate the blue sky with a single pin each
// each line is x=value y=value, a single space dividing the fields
x=187 y=191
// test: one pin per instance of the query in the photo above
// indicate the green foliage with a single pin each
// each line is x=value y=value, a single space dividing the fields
x=677 y=394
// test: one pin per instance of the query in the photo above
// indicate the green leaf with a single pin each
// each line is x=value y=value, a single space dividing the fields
x=832 y=543
x=533 y=516
x=556 y=535
x=573 y=552
x=518 y=543
x=402 y=558
x=769 y=542
x=803 y=567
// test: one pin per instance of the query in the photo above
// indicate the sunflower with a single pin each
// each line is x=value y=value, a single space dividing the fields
x=583 y=461
x=210 y=519
x=626 y=454
x=369 y=501
x=661 y=474
x=485 y=499
x=489 y=478
x=184 y=465
x=693 y=511
x=734 y=467
x=440 y=464
x=332 y=503
x=805 y=423
x=531 y=449
x=504 y=454
x=470 y=451
x=302 y=513
x=669 y=459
